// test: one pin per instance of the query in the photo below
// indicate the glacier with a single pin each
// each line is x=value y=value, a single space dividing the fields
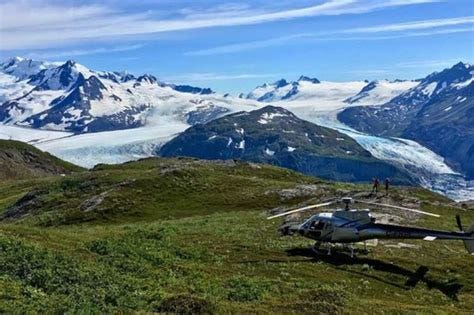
x=120 y=146
x=430 y=168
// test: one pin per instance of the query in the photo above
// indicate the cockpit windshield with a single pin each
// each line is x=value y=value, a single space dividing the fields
x=317 y=225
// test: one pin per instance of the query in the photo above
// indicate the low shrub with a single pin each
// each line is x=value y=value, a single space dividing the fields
x=244 y=289
x=186 y=304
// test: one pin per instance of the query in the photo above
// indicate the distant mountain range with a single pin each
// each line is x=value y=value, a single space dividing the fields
x=438 y=112
x=70 y=97
x=356 y=92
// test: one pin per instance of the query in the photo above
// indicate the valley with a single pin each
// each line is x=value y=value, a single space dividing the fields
x=156 y=112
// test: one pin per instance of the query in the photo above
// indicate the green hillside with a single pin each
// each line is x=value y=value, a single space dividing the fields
x=19 y=160
x=191 y=236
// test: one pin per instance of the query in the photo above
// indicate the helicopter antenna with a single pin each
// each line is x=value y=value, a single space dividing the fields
x=302 y=209
x=398 y=207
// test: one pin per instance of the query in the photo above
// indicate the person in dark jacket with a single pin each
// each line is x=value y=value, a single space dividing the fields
x=387 y=186
x=375 y=187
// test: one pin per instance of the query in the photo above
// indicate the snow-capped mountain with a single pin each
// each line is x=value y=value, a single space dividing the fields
x=71 y=97
x=305 y=88
x=437 y=85
x=337 y=94
x=395 y=115
x=23 y=68
x=438 y=112
x=380 y=91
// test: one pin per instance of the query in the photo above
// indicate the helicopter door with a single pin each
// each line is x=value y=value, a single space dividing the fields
x=316 y=227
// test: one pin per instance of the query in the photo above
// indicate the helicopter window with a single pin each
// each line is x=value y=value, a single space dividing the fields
x=317 y=225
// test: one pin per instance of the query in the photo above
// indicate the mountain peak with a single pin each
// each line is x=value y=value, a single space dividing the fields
x=60 y=77
x=69 y=64
x=460 y=72
x=274 y=110
x=147 y=78
x=308 y=79
x=461 y=65
x=11 y=61
x=266 y=115
x=23 y=68
x=281 y=83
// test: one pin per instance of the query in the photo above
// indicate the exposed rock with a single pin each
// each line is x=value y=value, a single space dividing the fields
x=24 y=206
x=93 y=202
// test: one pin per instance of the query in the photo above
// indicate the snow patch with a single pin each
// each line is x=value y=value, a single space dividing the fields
x=265 y=118
x=463 y=84
x=429 y=89
x=269 y=152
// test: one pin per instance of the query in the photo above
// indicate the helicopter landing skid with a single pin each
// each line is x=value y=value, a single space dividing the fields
x=330 y=248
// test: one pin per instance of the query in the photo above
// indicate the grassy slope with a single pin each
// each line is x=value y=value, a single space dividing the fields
x=178 y=232
x=19 y=160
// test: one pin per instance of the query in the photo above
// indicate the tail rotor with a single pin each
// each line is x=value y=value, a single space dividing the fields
x=470 y=232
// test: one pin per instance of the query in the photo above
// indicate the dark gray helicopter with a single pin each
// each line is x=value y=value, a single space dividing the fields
x=348 y=226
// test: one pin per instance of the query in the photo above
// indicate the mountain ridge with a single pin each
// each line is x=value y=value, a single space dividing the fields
x=276 y=136
x=70 y=97
x=438 y=113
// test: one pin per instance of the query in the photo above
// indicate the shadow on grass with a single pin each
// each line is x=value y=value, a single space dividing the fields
x=449 y=288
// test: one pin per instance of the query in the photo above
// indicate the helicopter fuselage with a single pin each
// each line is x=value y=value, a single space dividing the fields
x=350 y=226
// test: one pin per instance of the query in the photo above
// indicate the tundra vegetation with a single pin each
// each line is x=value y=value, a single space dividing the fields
x=191 y=236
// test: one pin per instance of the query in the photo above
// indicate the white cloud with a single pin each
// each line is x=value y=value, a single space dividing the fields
x=81 y=52
x=431 y=65
x=428 y=63
x=18 y=15
x=36 y=24
x=391 y=31
x=417 y=25
x=248 y=45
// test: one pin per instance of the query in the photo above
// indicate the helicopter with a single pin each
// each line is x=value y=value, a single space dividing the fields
x=349 y=226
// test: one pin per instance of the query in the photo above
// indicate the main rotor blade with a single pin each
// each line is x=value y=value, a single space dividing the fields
x=399 y=208
x=301 y=209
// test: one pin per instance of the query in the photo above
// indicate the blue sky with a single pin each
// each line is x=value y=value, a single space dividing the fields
x=233 y=46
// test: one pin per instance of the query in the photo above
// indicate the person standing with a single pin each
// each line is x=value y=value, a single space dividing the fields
x=387 y=186
x=375 y=187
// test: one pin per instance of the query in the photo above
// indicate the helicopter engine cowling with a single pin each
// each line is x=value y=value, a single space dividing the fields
x=345 y=235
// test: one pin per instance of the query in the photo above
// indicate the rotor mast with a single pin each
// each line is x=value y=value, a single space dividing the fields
x=347 y=201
